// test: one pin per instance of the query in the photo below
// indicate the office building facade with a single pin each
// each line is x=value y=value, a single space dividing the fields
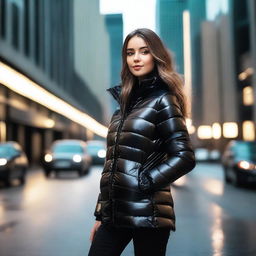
x=37 y=44
x=114 y=25
x=223 y=68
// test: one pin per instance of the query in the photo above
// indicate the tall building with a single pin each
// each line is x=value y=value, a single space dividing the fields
x=252 y=33
x=222 y=66
x=243 y=21
x=114 y=24
x=197 y=15
x=91 y=51
x=169 y=26
x=44 y=95
x=169 y=20
x=227 y=74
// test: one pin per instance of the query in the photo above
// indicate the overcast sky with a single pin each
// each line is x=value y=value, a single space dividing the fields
x=136 y=13
x=141 y=13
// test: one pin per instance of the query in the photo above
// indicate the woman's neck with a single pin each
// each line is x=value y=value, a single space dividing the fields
x=148 y=76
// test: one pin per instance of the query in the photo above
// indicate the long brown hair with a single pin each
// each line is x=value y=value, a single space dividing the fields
x=163 y=62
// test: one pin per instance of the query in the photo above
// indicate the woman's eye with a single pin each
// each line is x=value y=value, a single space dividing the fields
x=129 y=53
x=145 y=52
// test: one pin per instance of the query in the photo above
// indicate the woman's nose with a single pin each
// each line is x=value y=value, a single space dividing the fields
x=136 y=57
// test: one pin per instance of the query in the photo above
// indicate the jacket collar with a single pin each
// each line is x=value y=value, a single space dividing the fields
x=142 y=88
x=115 y=92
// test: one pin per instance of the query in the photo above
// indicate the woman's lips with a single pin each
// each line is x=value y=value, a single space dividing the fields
x=137 y=67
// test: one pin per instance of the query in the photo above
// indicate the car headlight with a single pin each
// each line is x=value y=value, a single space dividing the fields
x=3 y=161
x=48 y=158
x=246 y=165
x=77 y=158
x=102 y=153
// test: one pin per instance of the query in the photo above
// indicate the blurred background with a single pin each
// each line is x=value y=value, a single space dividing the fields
x=58 y=57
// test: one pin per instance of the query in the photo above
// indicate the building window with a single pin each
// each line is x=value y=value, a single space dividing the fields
x=15 y=25
x=42 y=36
x=3 y=18
x=26 y=27
x=230 y=130
x=36 y=31
x=248 y=97
x=248 y=130
x=216 y=7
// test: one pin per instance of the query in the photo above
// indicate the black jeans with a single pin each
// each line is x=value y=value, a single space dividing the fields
x=111 y=241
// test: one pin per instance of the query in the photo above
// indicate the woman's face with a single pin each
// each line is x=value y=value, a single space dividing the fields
x=139 y=59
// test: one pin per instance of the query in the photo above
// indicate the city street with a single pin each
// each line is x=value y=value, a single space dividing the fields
x=53 y=217
x=136 y=82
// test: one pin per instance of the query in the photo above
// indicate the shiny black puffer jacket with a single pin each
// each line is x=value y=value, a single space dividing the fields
x=148 y=147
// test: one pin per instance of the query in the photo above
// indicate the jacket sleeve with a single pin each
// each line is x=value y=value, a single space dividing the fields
x=97 y=212
x=171 y=128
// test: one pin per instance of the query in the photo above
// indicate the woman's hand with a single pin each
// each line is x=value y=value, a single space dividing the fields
x=144 y=182
x=94 y=229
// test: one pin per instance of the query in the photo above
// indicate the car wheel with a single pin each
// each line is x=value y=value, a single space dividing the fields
x=226 y=177
x=87 y=170
x=236 y=181
x=80 y=173
x=22 y=179
x=47 y=173
x=7 y=181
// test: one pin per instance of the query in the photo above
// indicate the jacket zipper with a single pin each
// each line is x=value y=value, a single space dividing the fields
x=114 y=165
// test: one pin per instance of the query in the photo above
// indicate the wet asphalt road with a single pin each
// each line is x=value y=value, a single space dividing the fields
x=53 y=217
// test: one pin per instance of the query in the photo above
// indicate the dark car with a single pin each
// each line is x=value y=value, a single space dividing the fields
x=13 y=162
x=207 y=155
x=239 y=162
x=97 y=150
x=66 y=155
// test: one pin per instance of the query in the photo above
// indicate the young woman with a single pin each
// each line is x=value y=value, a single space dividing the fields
x=148 y=148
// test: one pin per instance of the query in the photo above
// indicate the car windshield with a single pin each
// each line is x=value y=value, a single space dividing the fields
x=91 y=148
x=7 y=151
x=67 y=148
x=246 y=150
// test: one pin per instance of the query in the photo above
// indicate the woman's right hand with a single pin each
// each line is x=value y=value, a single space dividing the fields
x=94 y=229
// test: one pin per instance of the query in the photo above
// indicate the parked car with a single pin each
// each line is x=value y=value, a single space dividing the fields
x=13 y=163
x=206 y=155
x=67 y=155
x=239 y=162
x=97 y=150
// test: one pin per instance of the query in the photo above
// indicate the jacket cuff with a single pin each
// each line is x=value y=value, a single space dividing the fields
x=98 y=218
x=97 y=212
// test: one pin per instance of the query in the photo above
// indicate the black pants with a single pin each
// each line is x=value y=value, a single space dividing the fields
x=111 y=241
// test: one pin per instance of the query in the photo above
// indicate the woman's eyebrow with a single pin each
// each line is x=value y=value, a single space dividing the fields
x=131 y=49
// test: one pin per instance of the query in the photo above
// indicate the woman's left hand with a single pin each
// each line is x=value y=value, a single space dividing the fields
x=144 y=182
x=94 y=229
